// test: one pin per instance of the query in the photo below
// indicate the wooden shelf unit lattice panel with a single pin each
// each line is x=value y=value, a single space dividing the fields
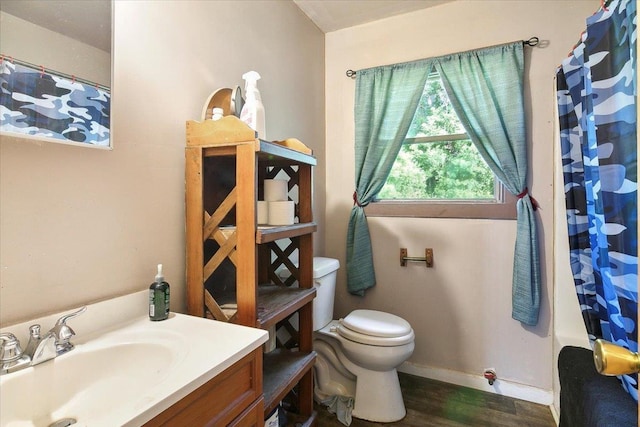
x=277 y=245
x=232 y=265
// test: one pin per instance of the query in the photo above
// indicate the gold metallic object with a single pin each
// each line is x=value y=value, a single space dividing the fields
x=611 y=359
x=427 y=259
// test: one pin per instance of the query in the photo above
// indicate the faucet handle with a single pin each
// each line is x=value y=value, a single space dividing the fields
x=10 y=349
x=63 y=320
x=63 y=332
x=12 y=358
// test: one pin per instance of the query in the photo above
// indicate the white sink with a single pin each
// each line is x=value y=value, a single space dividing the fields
x=125 y=374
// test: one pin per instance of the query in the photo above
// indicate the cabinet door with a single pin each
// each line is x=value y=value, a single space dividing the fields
x=253 y=416
x=219 y=401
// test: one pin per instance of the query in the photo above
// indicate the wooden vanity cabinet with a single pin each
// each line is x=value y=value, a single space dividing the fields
x=231 y=398
x=232 y=262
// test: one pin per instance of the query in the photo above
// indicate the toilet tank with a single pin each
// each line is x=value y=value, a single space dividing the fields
x=324 y=280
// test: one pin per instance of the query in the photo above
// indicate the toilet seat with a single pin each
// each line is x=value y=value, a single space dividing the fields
x=376 y=328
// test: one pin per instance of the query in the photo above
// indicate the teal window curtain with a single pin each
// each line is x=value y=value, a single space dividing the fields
x=485 y=87
x=486 y=90
x=386 y=101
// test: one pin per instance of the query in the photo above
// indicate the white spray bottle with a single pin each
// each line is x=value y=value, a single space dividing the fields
x=253 y=111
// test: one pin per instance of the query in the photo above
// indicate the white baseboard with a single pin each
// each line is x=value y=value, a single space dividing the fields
x=556 y=415
x=502 y=387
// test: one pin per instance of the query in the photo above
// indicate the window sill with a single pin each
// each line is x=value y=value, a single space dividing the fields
x=444 y=209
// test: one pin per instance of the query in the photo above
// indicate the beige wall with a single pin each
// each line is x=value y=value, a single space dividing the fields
x=460 y=309
x=31 y=43
x=79 y=224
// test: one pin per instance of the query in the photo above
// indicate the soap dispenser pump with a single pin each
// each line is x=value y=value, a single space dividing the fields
x=159 y=297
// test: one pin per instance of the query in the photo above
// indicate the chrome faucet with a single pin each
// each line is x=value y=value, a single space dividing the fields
x=40 y=349
x=54 y=343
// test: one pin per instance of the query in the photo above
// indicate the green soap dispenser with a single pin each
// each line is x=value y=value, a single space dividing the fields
x=159 y=297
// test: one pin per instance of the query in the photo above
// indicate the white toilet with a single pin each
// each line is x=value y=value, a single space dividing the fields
x=358 y=355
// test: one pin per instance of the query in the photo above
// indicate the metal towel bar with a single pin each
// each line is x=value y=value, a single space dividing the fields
x=427 y=259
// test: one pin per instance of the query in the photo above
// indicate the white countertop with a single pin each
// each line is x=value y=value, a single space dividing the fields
x=175 y=356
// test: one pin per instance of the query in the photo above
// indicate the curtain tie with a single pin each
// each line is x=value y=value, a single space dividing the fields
x=534 y=202
x=355 y=200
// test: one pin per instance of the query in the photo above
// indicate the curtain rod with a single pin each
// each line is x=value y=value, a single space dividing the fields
x=533 y=41
x=42 y=69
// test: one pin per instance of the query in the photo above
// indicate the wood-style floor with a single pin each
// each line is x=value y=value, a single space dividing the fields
x=439 y=404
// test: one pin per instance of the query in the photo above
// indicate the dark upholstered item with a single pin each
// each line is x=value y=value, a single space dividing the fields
x=588 y=399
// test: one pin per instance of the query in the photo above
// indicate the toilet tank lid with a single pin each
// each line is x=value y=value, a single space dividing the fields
x=323 y=266
x=376 y=323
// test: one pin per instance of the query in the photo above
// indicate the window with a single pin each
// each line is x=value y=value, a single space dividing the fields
x=438 y=171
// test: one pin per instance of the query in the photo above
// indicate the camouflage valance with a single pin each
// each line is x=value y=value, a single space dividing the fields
x=35 y=102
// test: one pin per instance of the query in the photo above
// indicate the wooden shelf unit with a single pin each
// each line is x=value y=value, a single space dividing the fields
x=275 y=303
x=232 y=262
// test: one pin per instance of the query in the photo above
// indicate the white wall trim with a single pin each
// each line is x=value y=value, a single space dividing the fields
x=556 y=415
x=478 y=382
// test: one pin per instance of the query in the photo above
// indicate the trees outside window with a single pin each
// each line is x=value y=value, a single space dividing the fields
x=438 y=161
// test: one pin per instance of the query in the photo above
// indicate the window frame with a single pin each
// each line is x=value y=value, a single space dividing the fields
x=503 y=206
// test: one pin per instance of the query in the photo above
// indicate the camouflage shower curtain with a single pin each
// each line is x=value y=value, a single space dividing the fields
x=36 y=103
x=597 y=101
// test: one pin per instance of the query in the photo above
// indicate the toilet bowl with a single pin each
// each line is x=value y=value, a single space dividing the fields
x=357 y=356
